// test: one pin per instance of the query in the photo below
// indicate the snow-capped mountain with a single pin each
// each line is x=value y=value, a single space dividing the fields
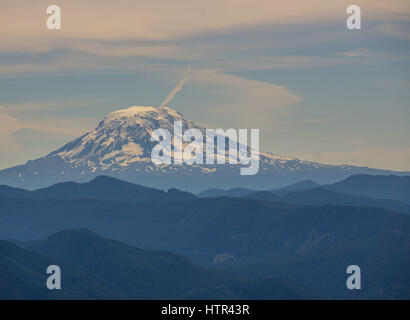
x=121 y=146
x=122 y=138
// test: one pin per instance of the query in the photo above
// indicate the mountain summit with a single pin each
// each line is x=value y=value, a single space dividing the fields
x=122 y=138
x=121 y=147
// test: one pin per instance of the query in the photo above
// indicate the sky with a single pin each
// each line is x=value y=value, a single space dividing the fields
x=316 y=90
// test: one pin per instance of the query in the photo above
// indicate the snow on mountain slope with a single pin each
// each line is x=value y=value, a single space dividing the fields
x=122 y=138
x=121 y=146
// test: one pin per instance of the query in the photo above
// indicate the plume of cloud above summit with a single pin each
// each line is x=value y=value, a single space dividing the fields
x=178 y=88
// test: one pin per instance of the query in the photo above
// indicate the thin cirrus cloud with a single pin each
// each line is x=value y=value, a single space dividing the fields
x=399 y=31
x=9 y=125
x=96 y=33
x=42 y=117
x=242 y=101
x=26 y=135
x=158 y=20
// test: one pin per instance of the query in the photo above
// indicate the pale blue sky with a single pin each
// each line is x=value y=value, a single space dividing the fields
x=316 y=90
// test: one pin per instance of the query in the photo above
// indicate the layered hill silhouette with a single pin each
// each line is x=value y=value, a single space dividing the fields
x=251 y=236
x=365 y=185
x=383 y=193
x=264 y=236
x=298 y=186
x=375 y=186
x=242 y=192
x=112 y=189
x=233 y=192
x=321 y=197
x=102 y=187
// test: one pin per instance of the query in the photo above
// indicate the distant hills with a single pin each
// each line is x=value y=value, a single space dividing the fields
x=303 y=193
x=102 y=187
x=382 y=193
x=260 y=236
x=243 y=192
x=23 y=276
x=365 y=185
x=234 y=192
x=299 y=186
x=375 y=186
x=242 y=246
x=321 y=197
x=97 y=268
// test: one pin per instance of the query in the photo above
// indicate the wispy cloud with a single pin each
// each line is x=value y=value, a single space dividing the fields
x=400 y=31
x=178 y=87
x=313 y=121
x=241 y=101
x=360 y=53
x=26 y=137
x=158 y=20
x=8 y=126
